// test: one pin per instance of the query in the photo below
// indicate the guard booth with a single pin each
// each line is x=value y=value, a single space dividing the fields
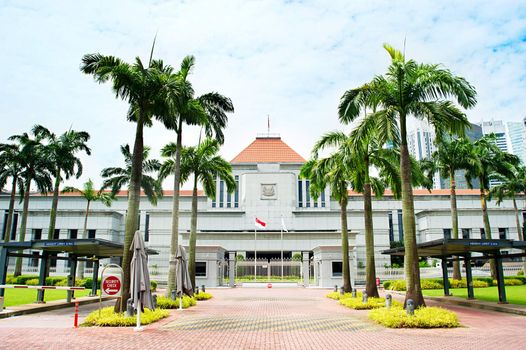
x=210 y=265
x=90 y=249
x=328 y=266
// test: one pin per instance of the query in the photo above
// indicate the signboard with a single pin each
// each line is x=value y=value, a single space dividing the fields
x=111 y=286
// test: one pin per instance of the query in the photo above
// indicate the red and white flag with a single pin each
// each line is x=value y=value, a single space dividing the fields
x=260 y=223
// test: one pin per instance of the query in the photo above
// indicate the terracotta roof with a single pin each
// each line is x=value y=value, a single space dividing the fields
x=167 y=193
x=268 y=150
x=421 y=192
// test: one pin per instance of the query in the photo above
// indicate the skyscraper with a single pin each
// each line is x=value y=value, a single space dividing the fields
x=517 y=135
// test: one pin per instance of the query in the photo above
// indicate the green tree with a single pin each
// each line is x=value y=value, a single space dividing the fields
x=510 y=186
x=90 y=195
x=208 y=111
x=422 y=91
x=204 y=164
x=62 y=150
x=36 y=167
x=10 y=169
x=115 y=178
x=144 y=87
x=335 y=172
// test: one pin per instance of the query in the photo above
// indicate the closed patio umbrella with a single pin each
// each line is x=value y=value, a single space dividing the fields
x=139 y=277
x=184 y=284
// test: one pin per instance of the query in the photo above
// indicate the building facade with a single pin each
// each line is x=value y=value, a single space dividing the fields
x=269 y=188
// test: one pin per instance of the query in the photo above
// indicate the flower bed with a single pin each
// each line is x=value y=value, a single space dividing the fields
x=202 y=296
x=425 y=317
x=168 y=303
x=108 y=318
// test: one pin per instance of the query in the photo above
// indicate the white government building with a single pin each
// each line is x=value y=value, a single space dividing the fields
x=268 y=187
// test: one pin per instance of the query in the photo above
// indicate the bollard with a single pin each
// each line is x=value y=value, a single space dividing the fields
x=196 y=289
x=364 y=298
x=335 y=287
x=342 y=291
x=410 y=307
x=173 y=294
x=76 y=318
x=129 y=308
x=1 y=304
x=388 y=300
x=203 y=288
x=354 y=292
x=154 y=300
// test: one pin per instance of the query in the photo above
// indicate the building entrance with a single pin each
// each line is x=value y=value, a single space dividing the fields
x=268 y=268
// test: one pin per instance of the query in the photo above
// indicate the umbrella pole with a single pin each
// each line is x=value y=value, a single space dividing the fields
x=181 y=303
x=138 y=327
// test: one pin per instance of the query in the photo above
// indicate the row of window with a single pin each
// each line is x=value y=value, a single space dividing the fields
x=307 y=202
x=466 y=233
x=221 y=198
x=72 y=234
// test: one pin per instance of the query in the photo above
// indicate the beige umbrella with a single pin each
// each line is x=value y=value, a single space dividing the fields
x=139 y=277
x=184 y=284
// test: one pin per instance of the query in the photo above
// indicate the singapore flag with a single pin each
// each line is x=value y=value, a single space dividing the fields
x=260 y=223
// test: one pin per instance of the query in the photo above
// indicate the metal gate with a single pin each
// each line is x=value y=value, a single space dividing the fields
x=269 y=270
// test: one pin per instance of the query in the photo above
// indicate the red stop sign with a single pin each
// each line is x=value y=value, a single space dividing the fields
x=111 y=285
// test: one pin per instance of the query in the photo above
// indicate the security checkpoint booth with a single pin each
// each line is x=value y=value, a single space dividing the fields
x=328 y=266
x=210 y=265
x=89 y=249
x=447 y=249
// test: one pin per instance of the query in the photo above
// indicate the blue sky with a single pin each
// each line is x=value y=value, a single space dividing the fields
x=291 y=60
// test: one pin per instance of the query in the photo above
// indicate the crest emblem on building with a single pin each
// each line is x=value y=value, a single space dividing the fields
x=269 y=191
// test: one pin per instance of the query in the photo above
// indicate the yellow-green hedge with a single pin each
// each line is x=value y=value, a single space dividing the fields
x=108 y=318
x=168 y=303
x=372 y=303
x=202 y=296
x=425 y=317
x=338 y=296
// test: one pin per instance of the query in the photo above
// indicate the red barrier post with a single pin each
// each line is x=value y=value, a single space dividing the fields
x=76 y=319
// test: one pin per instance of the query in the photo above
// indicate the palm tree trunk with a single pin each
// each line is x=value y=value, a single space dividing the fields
x=134 y=196
x=11 y=212
x=193 y=233
x=370 y=265
x=345 y=246
x=412 y=270
x=175 y=210
x=54 y=206
x=520 y=234
x=487 y=227
x=23 y=226
x=454 y=221
x=80 y=268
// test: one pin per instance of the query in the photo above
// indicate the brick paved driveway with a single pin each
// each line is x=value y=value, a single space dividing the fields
x=275 y=318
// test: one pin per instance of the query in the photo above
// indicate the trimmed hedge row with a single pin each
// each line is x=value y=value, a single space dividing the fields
x=425 y=317
x=436 y=283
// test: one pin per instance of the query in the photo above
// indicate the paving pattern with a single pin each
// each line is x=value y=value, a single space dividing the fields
x=271 y=319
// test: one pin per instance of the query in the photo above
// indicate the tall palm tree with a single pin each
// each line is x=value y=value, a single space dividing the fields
x=450 y=156
x=10 y=169
x=90 y=195
x=204 y=164
x=510 y=186
x=335 y=172
x=116 y=178
x=62 y=151
x=144 y=88
x=422 y=91
x=489 y=161
x=36 y=167
x=208 y=111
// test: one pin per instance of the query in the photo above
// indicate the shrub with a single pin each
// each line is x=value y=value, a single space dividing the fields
x=203 y=296
x=338 y=296
x=153 y=285
x=425 y=317
x=510 y=282
x=520 y=278
x=397 y=285
x=168 y=303
x=32 y=282
x=480 y=284
x=53 y=280
x=387 y=284
x=108 y=318
x=372 y=303
x=430 y=284
x=23 y=278
x=520 y=273
x=457 y=283
x=87 y=283
x=11 y=280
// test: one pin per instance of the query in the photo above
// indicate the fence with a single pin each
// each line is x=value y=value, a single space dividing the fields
x=269 y=270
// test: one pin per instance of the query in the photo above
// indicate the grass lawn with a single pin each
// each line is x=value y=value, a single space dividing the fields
x=27 y=296
x=514 y=294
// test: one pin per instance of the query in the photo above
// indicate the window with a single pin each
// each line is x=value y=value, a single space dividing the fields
x=400 y=226
x=13 y=227
x=236 y=193
x=4 y=227
x=89 y=264
x=307 y=193
x=447 y=233
x=200 y=269
x=323 y=199
x=37 y=234
x=315 y=204
x=34 y=259
x=221 y=193
x=56 y=234
x=503 y=233
x=147 y=228
x=52 y=259
x=228 y=200
x=91 y=233
x=337 y=269
x=300 y=193
x=482 y=233
x=466 y=233
x=73 y=234
x=391 y=228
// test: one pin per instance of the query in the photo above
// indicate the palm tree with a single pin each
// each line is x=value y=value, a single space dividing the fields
x=144 y=88
x=452 y=155
x=36 y=167
x=205 y=165
x=90 y=195
x=208 y=111
x=116 y=178
x=62 y=150
x=335 y=172
x=509 y=187
x=10 y=169
x=422 y=91
x=489 y=161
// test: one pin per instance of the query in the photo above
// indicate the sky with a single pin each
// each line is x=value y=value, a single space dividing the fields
x=287 y=61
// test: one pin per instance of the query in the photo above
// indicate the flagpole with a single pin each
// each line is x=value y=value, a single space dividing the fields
x=282 y=252
x=255 y=254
